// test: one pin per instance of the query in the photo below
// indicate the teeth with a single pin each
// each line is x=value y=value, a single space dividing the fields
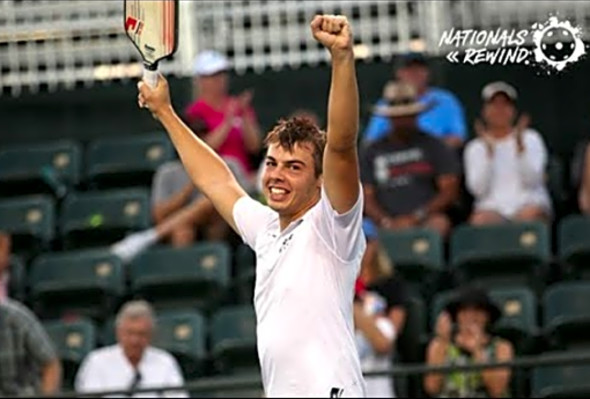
x=275 y=190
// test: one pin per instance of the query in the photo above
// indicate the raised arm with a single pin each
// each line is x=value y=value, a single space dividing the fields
x=206 y=169
x=341 y=169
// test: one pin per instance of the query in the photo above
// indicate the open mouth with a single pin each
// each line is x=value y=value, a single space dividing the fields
x=278 y=193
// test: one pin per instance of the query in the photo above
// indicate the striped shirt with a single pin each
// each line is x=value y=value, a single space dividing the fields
x=25 y=348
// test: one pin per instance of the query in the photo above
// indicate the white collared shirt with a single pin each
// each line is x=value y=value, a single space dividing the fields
x=303 y=297
x=107 y=369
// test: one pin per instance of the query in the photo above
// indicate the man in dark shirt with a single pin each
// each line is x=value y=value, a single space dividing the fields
x=410 y=178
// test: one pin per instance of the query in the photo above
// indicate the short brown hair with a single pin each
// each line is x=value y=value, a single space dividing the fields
x=299 y=130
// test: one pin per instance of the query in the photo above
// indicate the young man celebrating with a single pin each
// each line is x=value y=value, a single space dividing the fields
x=308 y=240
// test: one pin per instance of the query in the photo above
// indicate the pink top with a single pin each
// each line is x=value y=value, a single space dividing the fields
x=234 y=145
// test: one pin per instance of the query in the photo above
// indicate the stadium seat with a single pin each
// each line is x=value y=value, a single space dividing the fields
x=518 y=323
x=245 y=273
x=183 y=334
x=189 y=277
x=501 y=255
x=121 y=162
x=233 y=340
x=561 y=381
x=107 y=334
x=40 y=168
x=88 y=282
x=417 y=254
x=102 y=217
x=17 y=284
x=555 y=177
x=566 y=318
x=73 y=340
x=30 y=220
x=574 y=245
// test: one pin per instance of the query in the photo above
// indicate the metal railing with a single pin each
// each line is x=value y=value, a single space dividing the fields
x=64 y=42
x=237 y=383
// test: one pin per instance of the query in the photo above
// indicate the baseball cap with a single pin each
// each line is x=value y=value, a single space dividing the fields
x=210 y=62
x=491 y=89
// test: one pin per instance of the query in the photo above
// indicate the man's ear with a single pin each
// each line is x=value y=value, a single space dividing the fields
x=320 y=181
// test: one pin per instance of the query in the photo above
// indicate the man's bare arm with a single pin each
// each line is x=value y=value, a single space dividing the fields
x=206 y=169
x=341 y=169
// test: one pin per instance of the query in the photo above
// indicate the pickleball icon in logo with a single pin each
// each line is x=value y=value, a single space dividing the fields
x=557 y=43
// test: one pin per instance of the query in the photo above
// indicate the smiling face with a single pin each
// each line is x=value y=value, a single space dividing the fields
x=289 y=180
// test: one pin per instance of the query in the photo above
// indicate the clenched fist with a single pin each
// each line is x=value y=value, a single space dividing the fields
x=333 y=31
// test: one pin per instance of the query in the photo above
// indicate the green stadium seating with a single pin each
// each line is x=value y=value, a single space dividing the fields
x=417 y=255
x=566 y=314
x=196 y=276
x=100 y=218
x=39 y=167
x=184 y=335
x=501 y=255
x=574 y=245
x=245 y=273
x=233 y=340
x=17 y=284
x=107 y=334
x=73 y=339
x=88 y=282
x=561 y=381
x=121 y=162
x=30 y=220
x=519 y=322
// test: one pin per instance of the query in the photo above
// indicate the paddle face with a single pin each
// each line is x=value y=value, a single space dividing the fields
x=152 y=26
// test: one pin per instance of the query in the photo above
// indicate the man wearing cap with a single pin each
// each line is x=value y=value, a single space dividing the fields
x=505 y=165
x=472 y=313
x=410 y=178
x=445 y=118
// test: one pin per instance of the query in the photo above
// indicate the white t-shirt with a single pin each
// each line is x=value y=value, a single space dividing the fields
x=107 y=369
x=303 y=298
x=507 y=182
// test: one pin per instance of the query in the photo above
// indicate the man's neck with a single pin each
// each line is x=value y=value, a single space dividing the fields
x=286 y=220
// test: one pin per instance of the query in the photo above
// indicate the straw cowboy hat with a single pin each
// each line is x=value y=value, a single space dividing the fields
x=400 y=99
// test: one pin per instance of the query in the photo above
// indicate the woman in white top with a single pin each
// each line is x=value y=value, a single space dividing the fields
x=505 y=165
x=379 y=315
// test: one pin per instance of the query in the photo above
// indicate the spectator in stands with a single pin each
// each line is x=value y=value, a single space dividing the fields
x=29 y=364
x=581 y=175
x=230 y=122
x=5 y=249
x=445 y=117
x=505 y=165
x=132 y=363
x=379 y=314
x=467 y=341
x=410 y=178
